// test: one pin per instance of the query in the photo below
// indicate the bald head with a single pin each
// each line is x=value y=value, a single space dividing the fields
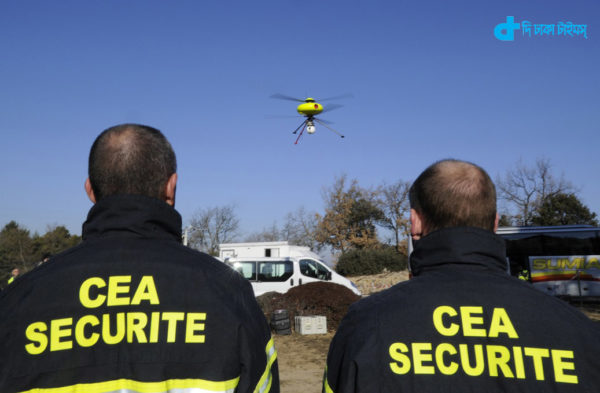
x=131 y=159
x=452 y=193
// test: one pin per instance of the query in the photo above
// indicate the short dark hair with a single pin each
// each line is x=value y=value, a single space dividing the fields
x=131 y=159
x=453 y=193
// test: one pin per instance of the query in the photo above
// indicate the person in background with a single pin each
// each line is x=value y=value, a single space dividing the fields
x=13 y=274
x=45 y=258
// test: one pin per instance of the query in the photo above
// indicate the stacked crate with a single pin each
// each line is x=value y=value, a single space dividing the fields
x=280 y=322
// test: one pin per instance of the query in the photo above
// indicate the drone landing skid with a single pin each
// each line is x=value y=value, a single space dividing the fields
x=329 y=128
x=302 y=127
x=309 y=121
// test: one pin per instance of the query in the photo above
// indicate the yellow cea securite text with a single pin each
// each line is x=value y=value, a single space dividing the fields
x=476 y=360
x=115 y=327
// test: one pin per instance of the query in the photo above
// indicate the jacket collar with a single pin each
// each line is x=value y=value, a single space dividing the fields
x=132 y=215
x=459 y=246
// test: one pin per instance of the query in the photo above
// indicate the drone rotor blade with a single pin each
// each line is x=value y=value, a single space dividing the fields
x=347 y=95
x=331 y=107
x=329 y=128
x=282 y=116
x=324 y=121
x=284 y=97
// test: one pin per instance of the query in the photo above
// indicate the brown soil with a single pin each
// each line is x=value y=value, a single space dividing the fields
x=302 y=358
x=302 y=361
x=316 y=298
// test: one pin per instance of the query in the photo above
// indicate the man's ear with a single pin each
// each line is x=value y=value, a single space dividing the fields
x=496 y=222
x=170 y=189
x=89 y=191
x=416 y=225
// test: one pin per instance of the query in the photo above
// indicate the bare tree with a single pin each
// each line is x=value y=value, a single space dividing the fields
x=351 y=213
x=333 y=229
x=300 y=229
x=526 y=188
x=271 y=234
x=211 y=226
x=393 y=201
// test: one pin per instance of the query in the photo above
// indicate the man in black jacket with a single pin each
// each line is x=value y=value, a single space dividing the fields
x=131 y=309
x=462 y=324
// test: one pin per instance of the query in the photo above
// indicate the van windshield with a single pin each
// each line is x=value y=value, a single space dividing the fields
x=312 y=268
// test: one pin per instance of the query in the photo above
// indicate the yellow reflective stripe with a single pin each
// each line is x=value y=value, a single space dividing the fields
x=130 y=386
x=326 y=387
x=264 y=384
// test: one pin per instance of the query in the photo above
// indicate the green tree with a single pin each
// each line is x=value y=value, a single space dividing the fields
x=505 y=221
x=563 y=209
x=16 y=246
x=19 y=249
x=371 y=261
x=16 y=250
x=55 y=240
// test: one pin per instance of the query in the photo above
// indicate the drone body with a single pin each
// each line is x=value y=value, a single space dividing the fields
x=309 y=108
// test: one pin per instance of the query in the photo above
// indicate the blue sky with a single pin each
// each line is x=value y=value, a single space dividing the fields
x=429 y=80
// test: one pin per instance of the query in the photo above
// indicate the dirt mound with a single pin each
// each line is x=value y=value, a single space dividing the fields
x=266 y=302
x=315 y=298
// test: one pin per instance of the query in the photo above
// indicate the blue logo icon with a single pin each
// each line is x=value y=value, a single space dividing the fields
x=506 y=31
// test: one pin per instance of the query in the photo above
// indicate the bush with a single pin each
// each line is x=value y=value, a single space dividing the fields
x=371 y=261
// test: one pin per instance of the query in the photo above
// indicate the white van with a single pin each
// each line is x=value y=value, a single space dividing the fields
x=268 y=274
x=264 y=249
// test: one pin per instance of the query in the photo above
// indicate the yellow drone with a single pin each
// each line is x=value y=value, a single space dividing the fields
x=308 y=108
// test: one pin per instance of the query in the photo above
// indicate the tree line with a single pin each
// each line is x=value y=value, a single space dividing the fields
x=22 y=250
x=351 y=220
x=365 y=227
x=535 y=195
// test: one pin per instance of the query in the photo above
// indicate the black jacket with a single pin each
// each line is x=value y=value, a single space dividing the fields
x=462 y=324
x=131 y=308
